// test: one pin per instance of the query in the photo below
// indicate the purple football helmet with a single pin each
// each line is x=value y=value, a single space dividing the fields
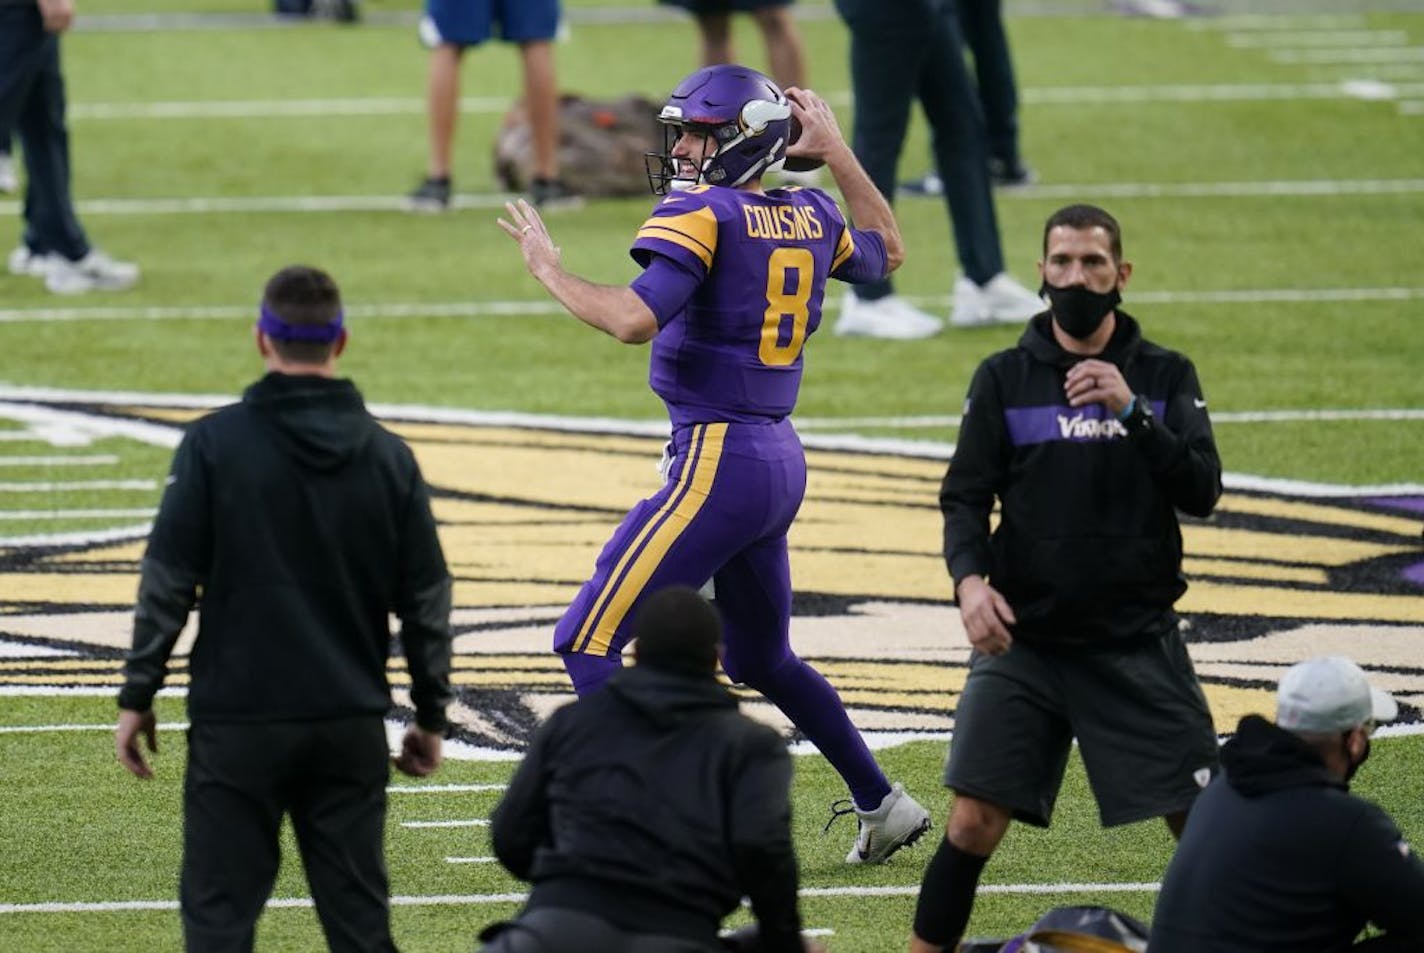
x=747 y=116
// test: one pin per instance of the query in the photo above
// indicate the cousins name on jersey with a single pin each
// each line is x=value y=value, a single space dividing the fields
x=782 y=223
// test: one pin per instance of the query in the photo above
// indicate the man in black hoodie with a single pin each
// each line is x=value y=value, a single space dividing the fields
x=642 y=813
x=301 y=525
x=1278 y=856
x=1091 y=438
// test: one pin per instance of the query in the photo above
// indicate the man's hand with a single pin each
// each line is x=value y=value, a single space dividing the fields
x=56 y=14
x=528 y=229
x=131 y=725
x=1097 y=382
x=420 y=752
x=820 y=133
x=986 y=615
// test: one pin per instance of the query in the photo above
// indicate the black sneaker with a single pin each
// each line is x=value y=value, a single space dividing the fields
x=553 y=193
x=1010 y=173
x=433 y=197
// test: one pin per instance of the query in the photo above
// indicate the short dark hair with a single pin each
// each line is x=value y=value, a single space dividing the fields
x=678 y=630
x=302 y=295
x=1084 y=218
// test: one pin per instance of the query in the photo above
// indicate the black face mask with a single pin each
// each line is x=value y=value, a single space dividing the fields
x=1078 y=311
x=1355 y=765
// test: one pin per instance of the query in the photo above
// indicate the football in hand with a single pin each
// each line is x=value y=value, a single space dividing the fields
x=799 y=163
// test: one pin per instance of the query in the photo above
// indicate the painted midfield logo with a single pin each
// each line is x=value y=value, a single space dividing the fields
x=523 y=511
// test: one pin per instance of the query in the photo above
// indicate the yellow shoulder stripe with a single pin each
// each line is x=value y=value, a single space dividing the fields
x=844 y=249
x=695 y=231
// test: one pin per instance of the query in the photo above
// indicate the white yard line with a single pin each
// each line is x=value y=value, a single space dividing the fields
x=1317 y=38
x=440 y=900
x=79 y=538
x=209 y=109
x=62 y=486
x=49 y=729
x=443 y=788
x=1369 y=54
x=471 y=860
x=473 y=822
x=89 y=460
x=109 y=514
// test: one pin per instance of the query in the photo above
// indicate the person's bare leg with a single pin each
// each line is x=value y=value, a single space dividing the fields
x=716 y=31
x=785 y=54
x=443 y=107
x=972 y=833
x=541 y=101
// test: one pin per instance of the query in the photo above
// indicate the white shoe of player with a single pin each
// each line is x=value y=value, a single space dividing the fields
x=890 y=317
x=96 y=271
x=898 y=822
x=9 y=181
x=1000 y=300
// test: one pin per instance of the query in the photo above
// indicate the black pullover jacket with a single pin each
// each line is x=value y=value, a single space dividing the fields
x=655 y=804
x=1279 y=857
x=1088 y=548
x=303 y=524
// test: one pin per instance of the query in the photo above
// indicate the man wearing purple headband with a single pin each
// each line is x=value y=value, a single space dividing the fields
x=733 y=281
x=305 y=525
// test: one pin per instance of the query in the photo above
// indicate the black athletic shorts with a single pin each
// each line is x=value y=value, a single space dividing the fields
x=1136 y=708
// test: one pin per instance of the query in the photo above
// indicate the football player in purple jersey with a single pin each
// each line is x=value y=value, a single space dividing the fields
x=733 y=280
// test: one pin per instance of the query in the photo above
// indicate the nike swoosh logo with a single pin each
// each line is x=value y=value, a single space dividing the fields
x=1199 y=403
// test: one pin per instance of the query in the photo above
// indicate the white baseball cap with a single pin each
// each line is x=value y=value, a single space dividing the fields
x=1330 y=693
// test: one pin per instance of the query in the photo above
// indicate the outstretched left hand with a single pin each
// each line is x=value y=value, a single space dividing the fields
x=535 y=243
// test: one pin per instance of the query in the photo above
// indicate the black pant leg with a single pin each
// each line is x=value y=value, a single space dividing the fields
x=32 y=105
x=983 y=26
x=887 y=51
x=339 y=815
x=951 y=105
x=232 y=812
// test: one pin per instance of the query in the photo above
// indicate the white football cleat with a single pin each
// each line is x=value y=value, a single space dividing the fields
x=1000 y=300
x=890 y=317
x=898 y=822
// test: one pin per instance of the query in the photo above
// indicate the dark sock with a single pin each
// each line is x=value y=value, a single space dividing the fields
x=947 y=895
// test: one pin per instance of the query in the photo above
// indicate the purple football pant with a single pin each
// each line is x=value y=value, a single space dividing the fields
x=731 y=494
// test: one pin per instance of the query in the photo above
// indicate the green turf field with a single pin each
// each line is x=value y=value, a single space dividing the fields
x=1271 y=199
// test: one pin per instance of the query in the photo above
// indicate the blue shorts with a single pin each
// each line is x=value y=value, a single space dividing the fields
x=471 y=22
x=732 y=492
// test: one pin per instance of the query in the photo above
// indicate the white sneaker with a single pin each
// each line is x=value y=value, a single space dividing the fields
x=96 y=271
x=1001 y=300
x=9 y=182
x=25 y=262
x=809 y=179
x=888 y=317
x=897 y=822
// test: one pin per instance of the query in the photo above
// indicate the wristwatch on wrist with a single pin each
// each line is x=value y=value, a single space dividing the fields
x=1139 y=418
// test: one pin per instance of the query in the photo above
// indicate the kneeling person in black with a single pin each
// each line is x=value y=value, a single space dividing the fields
x=643 y=812
x=1278 y=855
